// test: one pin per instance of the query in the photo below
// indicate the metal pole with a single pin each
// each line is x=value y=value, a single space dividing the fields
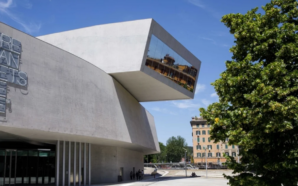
x=74 y=164
x=10 y=155
x=185 y=165
x=89 y=159
x=206 y=161
x=69 y=158
x=85 y=164
x=15 y=167
x=4 y=168
x=63 y=165
x=80 y=159
x=57 y=162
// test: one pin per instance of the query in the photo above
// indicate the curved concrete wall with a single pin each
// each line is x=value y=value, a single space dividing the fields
x=67 y=98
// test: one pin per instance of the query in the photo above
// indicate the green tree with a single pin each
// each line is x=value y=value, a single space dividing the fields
x=157 y=158
x=175 y=149
x=258 y=104
x=161 y=157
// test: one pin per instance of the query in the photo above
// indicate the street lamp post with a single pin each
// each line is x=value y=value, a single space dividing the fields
x=185 y=163
x=206 y=160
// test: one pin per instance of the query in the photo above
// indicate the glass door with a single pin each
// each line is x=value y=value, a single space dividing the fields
x=10 y=165
x=22 y=168
x=2 y=163
x=27 y=167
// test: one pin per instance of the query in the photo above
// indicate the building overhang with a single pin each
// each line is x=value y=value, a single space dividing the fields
x=120 y=49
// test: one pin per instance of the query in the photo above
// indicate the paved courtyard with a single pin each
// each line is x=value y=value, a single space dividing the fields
x=169 y=181
x=177 y=177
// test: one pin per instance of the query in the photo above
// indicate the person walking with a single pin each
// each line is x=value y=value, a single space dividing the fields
x=155 y=172
x=130 y=175
x=142 y=174
x=137 y=175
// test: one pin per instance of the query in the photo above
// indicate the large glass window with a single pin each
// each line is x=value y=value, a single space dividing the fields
x=198 y=132
x=198 y=155
x=203 y=139
x=203 y=132
x=210 y=154
x=168 y=63
x=27 y=166
x=198 y=139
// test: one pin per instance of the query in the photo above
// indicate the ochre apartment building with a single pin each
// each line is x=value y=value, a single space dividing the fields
x=214 y=151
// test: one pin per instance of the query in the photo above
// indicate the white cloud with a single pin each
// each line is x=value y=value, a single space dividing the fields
x=163 y=110
x=29 y=27
x=206 y=102
x=197 y=3
x=214 y=95
x=200 y=88
x=214 y=42
x=27 y=4
x=208 y=39
x=225 y=45
x=185 y=104
x=5 y=5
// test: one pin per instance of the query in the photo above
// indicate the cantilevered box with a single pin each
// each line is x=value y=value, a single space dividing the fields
x=150 y=63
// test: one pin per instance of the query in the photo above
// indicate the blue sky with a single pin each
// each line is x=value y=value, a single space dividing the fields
x=194 y=23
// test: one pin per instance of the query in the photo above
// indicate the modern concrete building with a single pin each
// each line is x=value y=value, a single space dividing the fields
x=69 y=102
x=203 y=146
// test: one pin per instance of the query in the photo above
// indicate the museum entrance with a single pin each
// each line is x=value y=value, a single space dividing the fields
x=23 y=166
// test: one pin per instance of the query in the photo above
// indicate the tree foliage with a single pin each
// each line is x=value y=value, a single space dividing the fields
x=175 y=149
x=258 y=104
x=157 y=158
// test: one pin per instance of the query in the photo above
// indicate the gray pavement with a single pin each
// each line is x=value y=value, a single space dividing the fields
x=174 y=177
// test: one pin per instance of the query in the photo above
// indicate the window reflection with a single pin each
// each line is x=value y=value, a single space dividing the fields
x=168 y=63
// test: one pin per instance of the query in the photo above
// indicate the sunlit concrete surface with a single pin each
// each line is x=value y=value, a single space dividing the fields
x=177 y=177
x=169 y=181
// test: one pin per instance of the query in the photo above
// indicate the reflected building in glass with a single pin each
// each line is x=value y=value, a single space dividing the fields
x=162 y=59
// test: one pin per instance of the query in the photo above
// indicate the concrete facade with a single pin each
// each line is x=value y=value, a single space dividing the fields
x=93 y=118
